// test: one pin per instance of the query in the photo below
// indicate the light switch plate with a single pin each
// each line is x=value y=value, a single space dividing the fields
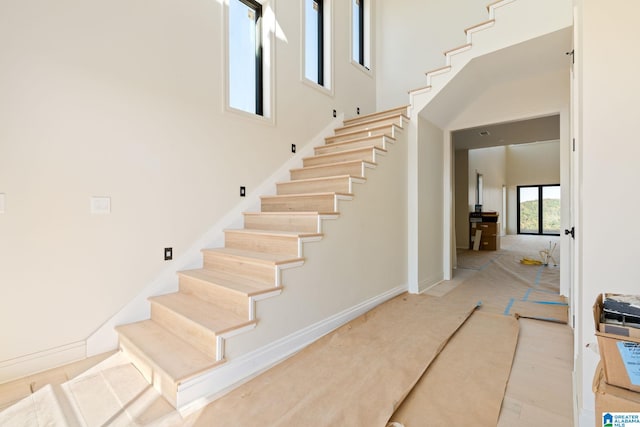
x=101 y=205
x=1 y=203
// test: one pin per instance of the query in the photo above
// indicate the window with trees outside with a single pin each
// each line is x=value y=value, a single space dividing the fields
x=539 y=209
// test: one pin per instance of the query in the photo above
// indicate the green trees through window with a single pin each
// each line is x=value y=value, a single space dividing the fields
x=539 y=209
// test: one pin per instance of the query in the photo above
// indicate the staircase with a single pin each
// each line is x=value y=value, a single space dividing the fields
x=185 y=336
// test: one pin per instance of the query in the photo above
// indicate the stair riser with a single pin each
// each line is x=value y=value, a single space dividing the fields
x=388 y=131
x=337 y=185
x=259 y=272
x=300 y=204
x=303 y=224
x=379 y=142
x=355 y=169
x=198 y=336
x=262 y=243
x=397 y=120
x=221 y=296
x=156 y=377
x=367 y=155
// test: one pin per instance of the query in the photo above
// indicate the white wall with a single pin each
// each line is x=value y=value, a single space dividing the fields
x=412 y=36
x=608 y=154
x=430 y=204
x=126 y=99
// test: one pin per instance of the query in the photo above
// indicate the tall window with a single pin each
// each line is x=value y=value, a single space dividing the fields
x=539 y=209
x=245 y=56
x=314 y=61
x=357 y=28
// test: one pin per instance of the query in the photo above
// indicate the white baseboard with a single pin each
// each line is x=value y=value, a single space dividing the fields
x=41 y=361
x=430 y=282
x=105 y=338
x=232 y=374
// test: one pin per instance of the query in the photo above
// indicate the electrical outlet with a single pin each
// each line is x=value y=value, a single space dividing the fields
x=293 y=148
x=335 y=114
x=358 y=110
x=2 y=203
x=168 y=254
x=243 y=191
x=101 y=205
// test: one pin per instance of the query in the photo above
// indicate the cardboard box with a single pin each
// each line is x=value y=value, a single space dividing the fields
x=620 y=354
x=611 y=399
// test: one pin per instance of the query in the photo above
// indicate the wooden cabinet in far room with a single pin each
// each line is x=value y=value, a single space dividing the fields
x=487 y=222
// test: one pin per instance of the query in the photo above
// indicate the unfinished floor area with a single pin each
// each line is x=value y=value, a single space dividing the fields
x=493 y=341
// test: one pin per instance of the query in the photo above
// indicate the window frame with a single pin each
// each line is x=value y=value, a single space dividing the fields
x=264 y=110
x=540 y=188
x=324 y=47
x=364 y=37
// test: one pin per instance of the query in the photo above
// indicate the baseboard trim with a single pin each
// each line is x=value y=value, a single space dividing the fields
x=240 y=370
x=430 y=282
x=34 y=363
x=105 y=339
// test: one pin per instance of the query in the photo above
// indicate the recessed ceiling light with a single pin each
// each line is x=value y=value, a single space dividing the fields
x=485 y=133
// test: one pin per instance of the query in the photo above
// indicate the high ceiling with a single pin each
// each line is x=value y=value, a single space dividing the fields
x=541 y=55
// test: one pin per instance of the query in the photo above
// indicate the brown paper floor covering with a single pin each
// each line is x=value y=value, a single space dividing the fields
x=356 y=376
x=465 y=385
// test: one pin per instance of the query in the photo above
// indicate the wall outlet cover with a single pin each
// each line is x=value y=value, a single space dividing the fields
x=2 y=203
x=101 y=205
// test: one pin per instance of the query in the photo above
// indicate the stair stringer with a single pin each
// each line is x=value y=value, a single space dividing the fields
x=360 y=263
x=516 y=22
x=105 y=338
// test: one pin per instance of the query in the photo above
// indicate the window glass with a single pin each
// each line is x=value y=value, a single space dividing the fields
x=245 y=56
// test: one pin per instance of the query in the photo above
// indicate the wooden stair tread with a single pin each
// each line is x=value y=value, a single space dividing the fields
x=275 y=233
x=294 y=213
x=356 y=132
x=481 y=24
x=170 y=353
x=359 y=125
x=420 y=89
x=359 y=139
x=350 y=162
x=325 y=178
x=378 y=114
x=342 y=153
x=464 y=46
x=239 y=284
x=256 y=257
x=207 y=314
x=307 y=195
x=439 y=70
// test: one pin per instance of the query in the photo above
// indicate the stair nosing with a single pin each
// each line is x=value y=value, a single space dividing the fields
x=338 y=129
x=354 y=150
x=254 y=256
x=335 y=164
x=292 y=234
x=358 y=139
x=216 y=330
x=361 y=130
x=322 y=178
x=374 y=114
x=258 y=287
